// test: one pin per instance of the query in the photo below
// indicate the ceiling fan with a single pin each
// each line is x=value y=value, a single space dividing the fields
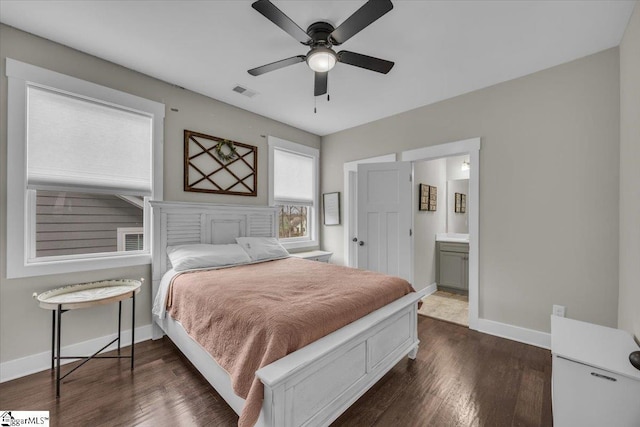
x=321 y=37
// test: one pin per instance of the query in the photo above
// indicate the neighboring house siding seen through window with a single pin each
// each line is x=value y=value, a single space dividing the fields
x=293 y=187
x=93 y=157
x=78 y=223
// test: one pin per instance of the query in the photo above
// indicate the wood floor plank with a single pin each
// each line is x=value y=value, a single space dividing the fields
x=528 y=411
x=459 y=378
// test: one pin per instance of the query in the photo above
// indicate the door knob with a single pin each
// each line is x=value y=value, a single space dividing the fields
x=361 y=243
x=355 y=239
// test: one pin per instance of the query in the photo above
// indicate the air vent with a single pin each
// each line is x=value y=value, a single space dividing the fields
x=130 y=238
x=245 y=91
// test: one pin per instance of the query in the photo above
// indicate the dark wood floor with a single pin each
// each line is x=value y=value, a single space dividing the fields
x=460 y=378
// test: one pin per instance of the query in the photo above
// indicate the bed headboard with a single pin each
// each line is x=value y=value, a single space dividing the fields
x=180 y=223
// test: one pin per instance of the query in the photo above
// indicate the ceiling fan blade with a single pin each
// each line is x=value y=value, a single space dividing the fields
x=276 y=65
x=361 y=18
x=364 y=61
x=320 y=83
x=275 y=15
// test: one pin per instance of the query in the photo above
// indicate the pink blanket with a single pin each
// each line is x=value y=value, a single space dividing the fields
x=249 y=316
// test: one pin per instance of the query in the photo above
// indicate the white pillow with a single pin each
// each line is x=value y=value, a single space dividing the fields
x=262 y=248
x=187 y=257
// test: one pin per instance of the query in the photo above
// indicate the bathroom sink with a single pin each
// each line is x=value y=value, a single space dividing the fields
x=452 y=237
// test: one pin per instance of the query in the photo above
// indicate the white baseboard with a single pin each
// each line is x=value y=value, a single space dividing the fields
x=42 y=361
x=432 y=288
x=515 y=333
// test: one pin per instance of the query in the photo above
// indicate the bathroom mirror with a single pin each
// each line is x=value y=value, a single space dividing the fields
x=457 y=202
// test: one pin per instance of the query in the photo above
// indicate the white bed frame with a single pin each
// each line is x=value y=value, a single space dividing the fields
x=314 y=385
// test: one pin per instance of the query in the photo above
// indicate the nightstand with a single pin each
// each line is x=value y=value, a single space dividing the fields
x=322 y=256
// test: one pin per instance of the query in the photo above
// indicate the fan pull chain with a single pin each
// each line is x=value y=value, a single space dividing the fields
x=314 y=105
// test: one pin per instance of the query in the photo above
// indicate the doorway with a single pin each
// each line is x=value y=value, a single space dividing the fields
x=441 y=242
x=470 y=147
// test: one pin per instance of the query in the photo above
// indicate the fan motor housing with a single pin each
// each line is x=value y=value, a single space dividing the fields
x=320 y=33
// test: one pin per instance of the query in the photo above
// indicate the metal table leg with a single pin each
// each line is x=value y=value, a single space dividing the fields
x=59 y=313
x=53 y=338
x=119 y=323
x=133 y=326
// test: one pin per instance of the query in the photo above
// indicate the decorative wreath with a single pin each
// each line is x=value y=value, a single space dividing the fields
x=226 y=154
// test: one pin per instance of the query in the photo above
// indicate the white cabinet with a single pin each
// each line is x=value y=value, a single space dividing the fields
x=593 y=382
x=322 y=256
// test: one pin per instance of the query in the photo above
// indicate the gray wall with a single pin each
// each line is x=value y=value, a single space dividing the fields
x=25 y=328
x=548 y=186
x=629 y=315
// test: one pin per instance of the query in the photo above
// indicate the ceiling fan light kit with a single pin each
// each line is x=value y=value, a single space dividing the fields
x=321 y=37
x=321 y=59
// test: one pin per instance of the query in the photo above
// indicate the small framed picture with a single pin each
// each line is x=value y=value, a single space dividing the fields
x=331 y=208
x=433 y=198
x=423 y=197
x=460 y=203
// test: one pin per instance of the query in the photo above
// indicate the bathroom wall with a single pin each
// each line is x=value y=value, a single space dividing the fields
x=457 y=222
x=454 y=168
x=428 y=223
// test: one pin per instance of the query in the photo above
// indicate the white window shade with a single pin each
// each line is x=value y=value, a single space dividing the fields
x=75 y=143
x=293 y=178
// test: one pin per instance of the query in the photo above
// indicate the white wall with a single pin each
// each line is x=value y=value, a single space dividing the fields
x=549 y=186
x=428 y=223
x=629 y=315
x=24 y=328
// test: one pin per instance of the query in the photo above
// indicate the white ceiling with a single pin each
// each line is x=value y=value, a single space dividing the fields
x=441 y=48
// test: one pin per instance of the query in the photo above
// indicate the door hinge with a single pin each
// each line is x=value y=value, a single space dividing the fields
x=410 y=178
x=410 y=232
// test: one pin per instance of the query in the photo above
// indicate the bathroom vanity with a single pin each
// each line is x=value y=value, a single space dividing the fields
x=452 y=262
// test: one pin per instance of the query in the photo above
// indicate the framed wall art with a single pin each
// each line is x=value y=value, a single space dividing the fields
x=221 y=166
x=460 y=203
x=331 y=208
x=427 y=197
x=433 y=198
x=423 y=197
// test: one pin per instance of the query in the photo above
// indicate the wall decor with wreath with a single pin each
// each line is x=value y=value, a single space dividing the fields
x=217 y=165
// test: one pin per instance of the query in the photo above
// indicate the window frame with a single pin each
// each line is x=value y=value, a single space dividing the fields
x=20 y=201
x=276 y=143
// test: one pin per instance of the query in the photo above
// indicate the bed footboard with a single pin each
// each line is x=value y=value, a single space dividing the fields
x=314 y=385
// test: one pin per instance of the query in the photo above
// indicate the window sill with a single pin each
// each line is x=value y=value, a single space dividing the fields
x=305 y=244
x=42 y=268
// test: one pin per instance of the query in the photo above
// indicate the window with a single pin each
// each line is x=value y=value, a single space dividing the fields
x=82 y=161
x=293 y=187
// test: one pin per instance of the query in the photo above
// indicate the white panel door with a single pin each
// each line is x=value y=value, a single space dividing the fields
x=384 y=218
